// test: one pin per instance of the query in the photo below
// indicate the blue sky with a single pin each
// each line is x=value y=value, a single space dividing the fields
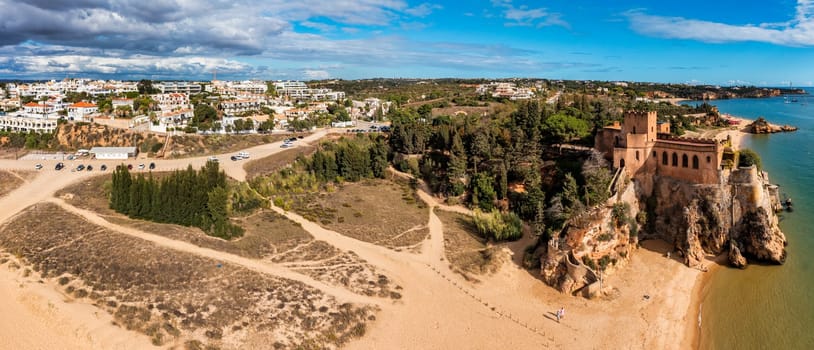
x=718 y=42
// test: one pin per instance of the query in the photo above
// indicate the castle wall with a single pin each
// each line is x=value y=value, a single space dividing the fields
x=693 y=162
x=604 y=141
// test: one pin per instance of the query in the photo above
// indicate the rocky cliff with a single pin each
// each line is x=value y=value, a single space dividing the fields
x=736 y=217
x=598 y=241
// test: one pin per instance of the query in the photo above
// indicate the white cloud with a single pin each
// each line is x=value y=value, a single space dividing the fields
x=423 y=10
x=797 y=32
x=529 y=17
x=316 y=74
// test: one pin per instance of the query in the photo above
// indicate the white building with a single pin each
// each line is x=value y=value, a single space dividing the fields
x=235 y=107
x=298 y=90
x=113 y=152
x=168 y=102
x=26 y=124
x=178 y=87
x=81 y=111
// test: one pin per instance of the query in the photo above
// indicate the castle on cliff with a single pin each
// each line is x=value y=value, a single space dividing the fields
x=642 y=147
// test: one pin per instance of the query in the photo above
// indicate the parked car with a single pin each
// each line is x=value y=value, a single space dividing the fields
x=38 y=166
x=103 y=167
x=141 y=166
x=285 y=145
x=213 y=159
x=89 y=168
x=243 y=155
x=152 y=166
x=80 y=167
x=300 y=137
x=129 y=166
x=59 y=166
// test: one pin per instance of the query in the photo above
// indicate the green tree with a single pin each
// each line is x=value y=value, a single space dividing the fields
x=561 y=128
x=204 y=114
x=483 y=194
x=748 y=157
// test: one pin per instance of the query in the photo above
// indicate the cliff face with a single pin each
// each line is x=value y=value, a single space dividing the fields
x=601 y=239
x=737 y=216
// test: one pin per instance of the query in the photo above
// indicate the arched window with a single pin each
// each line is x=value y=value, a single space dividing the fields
x=634 y=129
x=654 y=154
x=616 y=141
x=675 y=159
x=685 y=161
x=664 y=158
x=709 y=160
x=622 y=163
x=695 y=162
x=637 y=155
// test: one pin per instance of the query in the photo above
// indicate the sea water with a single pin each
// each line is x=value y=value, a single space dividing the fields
x=770 y=306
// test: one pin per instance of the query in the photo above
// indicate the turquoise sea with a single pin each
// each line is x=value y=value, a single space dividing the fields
x=771 y=307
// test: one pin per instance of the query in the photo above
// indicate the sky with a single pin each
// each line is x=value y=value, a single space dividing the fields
x=723 y=42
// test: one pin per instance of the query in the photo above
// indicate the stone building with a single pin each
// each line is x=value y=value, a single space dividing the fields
x=643 y=148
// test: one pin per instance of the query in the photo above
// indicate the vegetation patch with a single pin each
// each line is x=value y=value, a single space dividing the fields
x=277 y=161
x=177 y=297
x=464 y=248
x=8 y=182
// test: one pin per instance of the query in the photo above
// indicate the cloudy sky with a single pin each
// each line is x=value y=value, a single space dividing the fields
x=721 y=41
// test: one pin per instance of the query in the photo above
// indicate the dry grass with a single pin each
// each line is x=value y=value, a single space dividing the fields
x=9 y=182
x=176 y=297
x=272 y=163
x=377 y=211
x=185 y=146
x=465 y=250
x=268 y=236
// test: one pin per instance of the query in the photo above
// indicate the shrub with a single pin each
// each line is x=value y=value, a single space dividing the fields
x=605 y=237
x=497 y=226
x=748 y=157
x=621 y=213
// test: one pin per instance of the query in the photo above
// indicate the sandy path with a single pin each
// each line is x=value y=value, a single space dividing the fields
x=439 y=308
x=342 y=294
x=36 y=316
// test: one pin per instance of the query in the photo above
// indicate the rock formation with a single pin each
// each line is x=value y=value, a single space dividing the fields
x=736 y=216
x=761 y=126
x=708 y=219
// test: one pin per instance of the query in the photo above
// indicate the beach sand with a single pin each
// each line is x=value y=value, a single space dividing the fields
x=652 y=303
x=37 y=316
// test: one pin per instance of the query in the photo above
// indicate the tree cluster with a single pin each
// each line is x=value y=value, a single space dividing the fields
x=364 y=156
x=188 y=197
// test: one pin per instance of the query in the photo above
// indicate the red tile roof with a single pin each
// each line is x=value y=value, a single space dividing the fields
x=82 y=104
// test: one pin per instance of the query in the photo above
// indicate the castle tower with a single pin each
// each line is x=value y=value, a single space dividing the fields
x=640 y=123
x=635 y=141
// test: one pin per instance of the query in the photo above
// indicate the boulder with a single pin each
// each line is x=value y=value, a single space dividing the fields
x=759 y=238
x=735 y=257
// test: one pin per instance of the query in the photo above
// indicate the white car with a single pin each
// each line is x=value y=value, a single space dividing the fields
x=38 y=166
x=244 y=155
x=213 y=159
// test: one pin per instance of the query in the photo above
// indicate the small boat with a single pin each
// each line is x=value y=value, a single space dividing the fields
x=787 y=204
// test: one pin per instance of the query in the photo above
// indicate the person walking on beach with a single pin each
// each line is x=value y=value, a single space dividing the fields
x=558 y=316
